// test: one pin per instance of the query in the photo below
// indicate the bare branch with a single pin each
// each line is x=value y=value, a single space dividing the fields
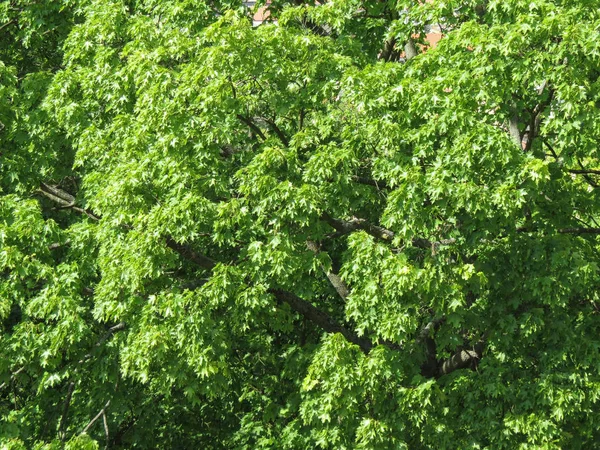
x=584 y=171
x=64 y=199
x=106 y=433
x=282 y=137
x=12 y=377
x=336 y=281
x=10 y=22
x=63 y=419
x=370 y=182
x=96 y=417
x=348 y=226
x=320 y=318
x=252 y=126
x=191 y=255
x=461 y=360
x=301 y=306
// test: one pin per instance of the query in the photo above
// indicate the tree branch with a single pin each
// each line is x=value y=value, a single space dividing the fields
x=301 y=306
x=584 y=171
x=579 y=230
x=563 y=230
x=461 y=360
x=106 y=432
x=96 y=417
x=124 y=427
x=370 y=182
x=63 y=419
x=410 y=50
x=10 y=22
x=348 y=226
x=64 y=199
x=425 y=337
x=12 y=377
x=536 y=116
x=282 y=137
x=112 y=330
x=188 y=253
x=336 y=281
x=388 y=50
x=297 y=304
x=513 y=127
x=64 y=196
x=252 y=126
x=320 y=318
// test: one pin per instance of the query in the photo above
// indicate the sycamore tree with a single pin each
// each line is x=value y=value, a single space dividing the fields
x=314 y=233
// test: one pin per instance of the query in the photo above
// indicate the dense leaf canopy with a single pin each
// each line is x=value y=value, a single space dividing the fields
x=313 y=233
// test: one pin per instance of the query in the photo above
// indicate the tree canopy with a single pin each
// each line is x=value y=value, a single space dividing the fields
x=318 y=232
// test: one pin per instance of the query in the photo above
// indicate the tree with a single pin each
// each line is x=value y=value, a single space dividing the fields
x=315 y=233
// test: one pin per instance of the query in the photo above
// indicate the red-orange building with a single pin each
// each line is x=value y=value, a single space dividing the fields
x=433 y=36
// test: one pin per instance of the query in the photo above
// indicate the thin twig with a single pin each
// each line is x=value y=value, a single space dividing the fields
x=12 y=377
x=112 y=330
x=10 y=22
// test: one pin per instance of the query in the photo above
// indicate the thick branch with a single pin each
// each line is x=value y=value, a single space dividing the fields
x=536 y=116
x=282 y=137
x=513 y=128
x=65 y=196
x=301 y=306
x=461 y=360
x=64 y=199
x=252 y=126
x=189 y=254
x=348 y=226
x=584 y=171
x=336 y=281
x=425 y=338
x=63 y=419
x=57 y=245
x=320 y=318
x=388 y=50
x=410 y=50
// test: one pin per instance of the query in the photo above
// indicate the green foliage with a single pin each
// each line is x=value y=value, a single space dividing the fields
x=298 y=235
